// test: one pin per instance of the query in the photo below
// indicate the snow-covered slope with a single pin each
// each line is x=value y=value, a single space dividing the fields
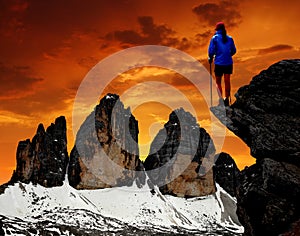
x=26 y=209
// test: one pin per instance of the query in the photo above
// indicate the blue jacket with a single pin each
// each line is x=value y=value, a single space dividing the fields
x=223 y=52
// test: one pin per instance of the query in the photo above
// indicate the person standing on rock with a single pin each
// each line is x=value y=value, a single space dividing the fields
x=221 y=49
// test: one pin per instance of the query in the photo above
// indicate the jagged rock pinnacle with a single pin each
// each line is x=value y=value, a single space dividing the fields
x=180 y=147
x=44 y=159
x=110 y=133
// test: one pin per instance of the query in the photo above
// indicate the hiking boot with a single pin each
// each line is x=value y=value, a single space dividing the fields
x=226 y=102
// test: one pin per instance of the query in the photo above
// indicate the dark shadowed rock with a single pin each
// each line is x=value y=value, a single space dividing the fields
x=176 y=157
x=44 y=159
x=106 y=152
x=293 y=230
x=226 y=173
x=2 y=233
x=268 y=197
x=74 y=168
x=266 y=115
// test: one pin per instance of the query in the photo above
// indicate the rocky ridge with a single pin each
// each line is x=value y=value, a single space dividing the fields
x=43 y=162
x=266 y=115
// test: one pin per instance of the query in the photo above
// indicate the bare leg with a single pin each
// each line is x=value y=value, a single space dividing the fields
x=218 y=81
x=227 y=85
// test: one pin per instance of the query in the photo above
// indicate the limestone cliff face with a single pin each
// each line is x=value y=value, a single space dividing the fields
x=106 y=152
x=182 y=143
x=44 y=159
x=266 y=115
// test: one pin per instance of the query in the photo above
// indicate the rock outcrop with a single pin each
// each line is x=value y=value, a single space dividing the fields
x=1 y=229
x=176 y=161
x=106 y=153
x=44 y=159
x=266 y=115
x=226 y=173
x=268 y=197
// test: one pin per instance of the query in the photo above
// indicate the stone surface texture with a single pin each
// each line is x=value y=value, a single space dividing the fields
x=266 y=116
x=176 y=161
x=44 y=159
x=106 y=153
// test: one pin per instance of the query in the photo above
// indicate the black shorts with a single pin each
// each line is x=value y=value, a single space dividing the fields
x=220 y=70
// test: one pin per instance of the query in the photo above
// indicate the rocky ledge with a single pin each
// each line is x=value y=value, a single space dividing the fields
x=266 y=116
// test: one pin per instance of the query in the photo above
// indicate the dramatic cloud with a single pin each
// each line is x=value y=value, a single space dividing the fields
x=226 y=11
x=275 y=48
x=15 y=81
x=88 y=62
x=203 y=38
x=58 y=42
x=11 y=20
x=41 y=105
x=149 y=33
x=24 y=93
x=9 y=117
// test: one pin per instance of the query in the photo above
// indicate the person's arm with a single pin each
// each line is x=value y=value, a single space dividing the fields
x=211 y=50
x=232 y=47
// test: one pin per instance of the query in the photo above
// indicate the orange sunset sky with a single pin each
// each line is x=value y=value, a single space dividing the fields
x=47 y=48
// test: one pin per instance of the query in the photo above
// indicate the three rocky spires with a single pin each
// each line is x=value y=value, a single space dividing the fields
x=106 y=153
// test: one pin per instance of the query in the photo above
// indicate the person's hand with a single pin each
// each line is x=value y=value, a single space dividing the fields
x=210 y=60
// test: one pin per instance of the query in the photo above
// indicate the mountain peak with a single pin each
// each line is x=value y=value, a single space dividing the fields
x=44 y=159
x=176 y=157
x=109 y=99
x=106 y=152
x=181 y=115
x=40 y=130
x=226 y=173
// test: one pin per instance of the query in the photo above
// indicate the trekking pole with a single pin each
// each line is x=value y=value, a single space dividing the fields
x=211 y=99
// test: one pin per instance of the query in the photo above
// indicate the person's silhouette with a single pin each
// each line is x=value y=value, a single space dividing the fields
x=221 y=49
